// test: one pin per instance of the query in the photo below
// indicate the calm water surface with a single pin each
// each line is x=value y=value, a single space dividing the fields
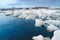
x=12 y=28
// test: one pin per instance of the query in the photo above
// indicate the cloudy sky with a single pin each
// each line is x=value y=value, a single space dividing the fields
x=29 y=3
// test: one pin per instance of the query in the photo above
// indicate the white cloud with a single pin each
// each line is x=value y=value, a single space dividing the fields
x=7 y=2
x=23 y=5
x=12 y=3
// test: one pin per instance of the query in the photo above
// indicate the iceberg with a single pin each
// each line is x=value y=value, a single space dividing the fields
x=56 y=35
x=52 y=28
x=40 y=37
x=53 y=22
x=38 y=22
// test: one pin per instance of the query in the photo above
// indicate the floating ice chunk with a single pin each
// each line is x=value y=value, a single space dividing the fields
x=56 y=35
x=47 y=38
x=51 y=28
x=39 y=37
x=43 y=14
x=53 y=22
x=38 y=22
x=8 y=13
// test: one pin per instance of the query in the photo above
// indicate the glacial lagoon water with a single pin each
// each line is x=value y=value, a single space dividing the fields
x=12 y=28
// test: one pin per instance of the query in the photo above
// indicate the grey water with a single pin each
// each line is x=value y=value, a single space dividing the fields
x=12 y=28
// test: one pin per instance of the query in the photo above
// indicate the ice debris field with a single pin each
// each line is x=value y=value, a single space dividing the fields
x=47 y=17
